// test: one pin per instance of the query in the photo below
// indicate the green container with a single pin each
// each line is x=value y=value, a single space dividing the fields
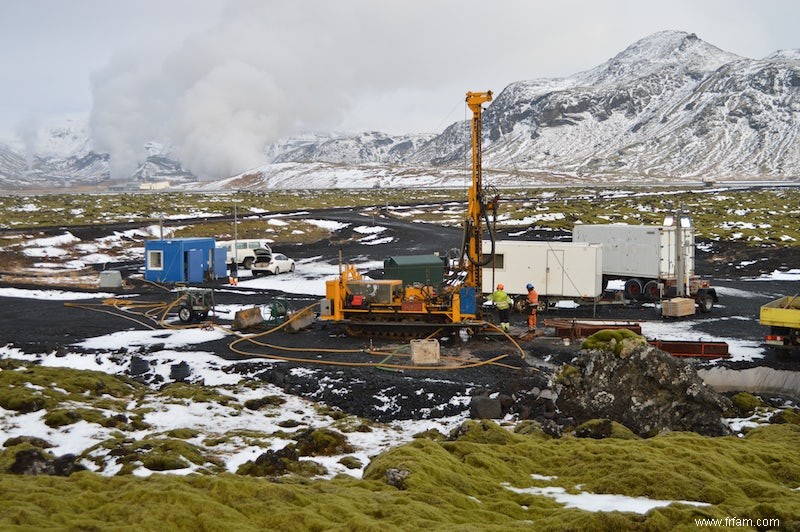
x=425 y=269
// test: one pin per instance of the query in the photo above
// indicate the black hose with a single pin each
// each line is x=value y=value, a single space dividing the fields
x=489 y=256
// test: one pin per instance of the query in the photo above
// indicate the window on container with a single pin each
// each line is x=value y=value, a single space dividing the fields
x=497 y=263
x=155 y=259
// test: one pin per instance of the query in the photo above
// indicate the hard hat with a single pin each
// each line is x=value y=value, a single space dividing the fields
x=500 y=286
x=529 y=286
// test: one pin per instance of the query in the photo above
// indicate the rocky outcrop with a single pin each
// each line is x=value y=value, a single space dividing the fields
x=34 y=461
x=645 y=389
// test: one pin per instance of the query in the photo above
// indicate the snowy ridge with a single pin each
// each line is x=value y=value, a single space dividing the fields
x=668 y=107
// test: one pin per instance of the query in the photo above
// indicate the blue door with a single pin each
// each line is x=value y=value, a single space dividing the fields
x=195 y=265
x=220 y=267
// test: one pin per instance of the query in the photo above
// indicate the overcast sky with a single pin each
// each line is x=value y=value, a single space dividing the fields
x=242 y=72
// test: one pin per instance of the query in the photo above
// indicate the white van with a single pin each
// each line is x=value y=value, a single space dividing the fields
x=245 y=249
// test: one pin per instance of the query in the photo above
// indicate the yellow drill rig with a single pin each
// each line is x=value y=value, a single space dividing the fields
x=390 y=307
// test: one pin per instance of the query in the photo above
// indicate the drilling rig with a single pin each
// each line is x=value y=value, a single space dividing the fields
x=389 y=307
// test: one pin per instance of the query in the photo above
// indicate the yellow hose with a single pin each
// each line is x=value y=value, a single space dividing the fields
x=157 y=312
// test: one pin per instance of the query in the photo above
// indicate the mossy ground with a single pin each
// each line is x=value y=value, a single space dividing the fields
x=73 y=209
x=461 y=484
x=614 y=340
x=757 y=217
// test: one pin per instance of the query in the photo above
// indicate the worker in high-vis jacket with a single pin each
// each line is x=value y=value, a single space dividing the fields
x=533 y=306
x=503 y=304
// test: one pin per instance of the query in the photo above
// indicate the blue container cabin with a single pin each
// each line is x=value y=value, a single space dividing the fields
x=183 y=260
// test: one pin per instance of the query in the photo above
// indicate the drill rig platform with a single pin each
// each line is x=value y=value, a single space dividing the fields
x=392 y=308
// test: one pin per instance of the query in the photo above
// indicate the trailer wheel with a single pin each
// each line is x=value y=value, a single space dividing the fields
x=633 y=289
x=186 y=314
x=706 y=303
x=521 y=304
x=651 y=291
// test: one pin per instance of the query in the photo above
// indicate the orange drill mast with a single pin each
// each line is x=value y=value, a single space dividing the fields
x=476 y=206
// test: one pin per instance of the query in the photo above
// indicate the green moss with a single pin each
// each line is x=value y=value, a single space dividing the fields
x=8 y=455
x=457 y=484
x=532 y=428
x=351 y=462
x=567 y=374
x=154 y=453
x=482 y=431
x=183 y=433
x=261 y=402
x=745 y=403
x=431 y=434
x=322 y=442
x=330 y=411
x=615 y=340
x=604 y=428
x=712 y=214
x=61 y=417
x=24 y=401
x=787 y=415
x=282 y=462
x=194 y=393
x=36 y=442
x=350 y=424
x=163 y=462
x=29 y=387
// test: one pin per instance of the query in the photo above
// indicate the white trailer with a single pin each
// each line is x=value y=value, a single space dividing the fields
x=651 y=261
x=558 y=270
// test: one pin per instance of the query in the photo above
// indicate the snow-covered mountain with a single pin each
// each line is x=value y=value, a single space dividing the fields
x=668 y=107
x=62 y=155
x=367 y=147
x=52 y=155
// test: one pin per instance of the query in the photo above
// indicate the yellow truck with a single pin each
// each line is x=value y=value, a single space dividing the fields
x=782 y=316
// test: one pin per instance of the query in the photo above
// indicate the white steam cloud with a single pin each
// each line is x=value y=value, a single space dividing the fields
x=265 y=71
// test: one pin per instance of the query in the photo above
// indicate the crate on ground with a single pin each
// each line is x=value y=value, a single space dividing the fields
x=425 y=352
x=677 y=307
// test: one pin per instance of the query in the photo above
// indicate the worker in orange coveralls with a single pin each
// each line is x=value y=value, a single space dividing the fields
x=533 y=305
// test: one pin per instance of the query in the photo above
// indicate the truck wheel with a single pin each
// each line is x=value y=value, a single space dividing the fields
x=186 y=314
x=247 y=263
x=706 y=303
x=651 y=291
x=633 y=289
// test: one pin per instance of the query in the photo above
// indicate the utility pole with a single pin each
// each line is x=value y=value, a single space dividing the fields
x=235 y=232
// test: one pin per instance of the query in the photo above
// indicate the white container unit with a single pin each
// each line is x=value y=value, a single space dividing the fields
x=557 y=269
x=642 y=251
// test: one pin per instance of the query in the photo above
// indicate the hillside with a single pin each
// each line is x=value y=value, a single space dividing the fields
x=669 y=107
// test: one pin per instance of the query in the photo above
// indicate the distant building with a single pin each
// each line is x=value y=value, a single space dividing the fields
x=184 y=260
x=154 y=185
